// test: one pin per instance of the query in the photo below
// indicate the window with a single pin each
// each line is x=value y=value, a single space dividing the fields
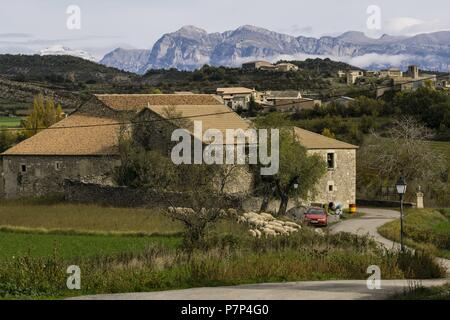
x=23 y=168
x=331 y=187
x=58 y=165
x=331 y=160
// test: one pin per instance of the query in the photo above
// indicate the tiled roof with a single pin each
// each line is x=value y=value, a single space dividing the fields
x=287 y=94
x=311 y=140
x=234 y=90
x=78 y=134
x=130 y=102
x=218 y=117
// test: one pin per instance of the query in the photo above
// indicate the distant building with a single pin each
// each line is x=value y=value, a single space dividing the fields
x=286 y=67
x=353 y=75
x=265 y=65
x=258 y=65
x=287 y=101
x=236 y=97
x=410 y=80
x=341 y=74
x=391 y=73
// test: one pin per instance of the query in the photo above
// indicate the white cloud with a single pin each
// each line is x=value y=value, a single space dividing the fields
x=411 y=26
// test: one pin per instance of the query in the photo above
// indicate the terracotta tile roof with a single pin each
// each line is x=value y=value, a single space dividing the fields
x=70 y=139
x=311 y=140
x=130 y=102
x=234 y=90
x=218 y=117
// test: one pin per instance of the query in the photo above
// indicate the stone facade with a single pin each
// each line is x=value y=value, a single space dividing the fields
x=339 y=183
x=30 y=176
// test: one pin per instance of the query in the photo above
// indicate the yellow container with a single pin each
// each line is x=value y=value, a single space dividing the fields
x=352 y=208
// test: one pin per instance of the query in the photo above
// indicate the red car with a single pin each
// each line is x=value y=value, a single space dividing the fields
x=316 y=217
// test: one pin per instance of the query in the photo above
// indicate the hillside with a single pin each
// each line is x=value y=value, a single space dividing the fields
x=24 y=75
x=60 y=71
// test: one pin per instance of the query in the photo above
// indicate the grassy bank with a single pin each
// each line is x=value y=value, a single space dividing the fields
x=425 y=229
x=422 y=293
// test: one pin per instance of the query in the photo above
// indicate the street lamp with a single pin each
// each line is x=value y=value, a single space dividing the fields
x=401 y=190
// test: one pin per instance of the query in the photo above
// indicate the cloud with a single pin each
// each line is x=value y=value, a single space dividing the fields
x=297 y=30
x=15 y=35
x=411 y=26
x=375 y=59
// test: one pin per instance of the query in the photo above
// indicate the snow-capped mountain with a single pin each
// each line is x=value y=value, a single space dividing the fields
x=132 y=60
x=191 y=47
x=59 y=50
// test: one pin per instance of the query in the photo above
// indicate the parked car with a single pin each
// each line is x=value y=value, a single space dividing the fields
x=316 y=216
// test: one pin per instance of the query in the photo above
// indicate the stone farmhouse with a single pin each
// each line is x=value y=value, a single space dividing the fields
x=84 y=146
x=339 y=183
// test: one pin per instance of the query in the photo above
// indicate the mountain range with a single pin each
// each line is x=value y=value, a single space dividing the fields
x=191 y=47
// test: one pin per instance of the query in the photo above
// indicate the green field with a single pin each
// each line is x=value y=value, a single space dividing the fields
x=67 y=247
x=10 y=122
x=427 y=229
x=132 y=250
x=85 y=218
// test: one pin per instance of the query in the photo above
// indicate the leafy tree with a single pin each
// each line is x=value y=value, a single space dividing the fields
x=42 y=115
x=328 y=133
x=7 y=139
x=298 y=173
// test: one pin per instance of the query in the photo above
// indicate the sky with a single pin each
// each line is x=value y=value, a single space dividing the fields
x=27 y=26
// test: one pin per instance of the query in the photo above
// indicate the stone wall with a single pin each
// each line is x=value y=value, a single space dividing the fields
x=78 y=192
x=30 y=176
x=341 y=178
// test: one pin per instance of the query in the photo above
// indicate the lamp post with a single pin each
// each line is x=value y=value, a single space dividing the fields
x=401 y=190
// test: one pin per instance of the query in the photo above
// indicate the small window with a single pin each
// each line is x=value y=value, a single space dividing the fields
x=330 y=186
x=331 y=160
x=23 y=168
x=58 y=165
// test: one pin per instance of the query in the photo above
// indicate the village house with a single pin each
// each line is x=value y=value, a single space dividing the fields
x=265 y=65
x=286 y=67
x=257 y=65
x=339 y=182
x=237 y=97
x=353 y=75
x=287 y=101
x=84 y=146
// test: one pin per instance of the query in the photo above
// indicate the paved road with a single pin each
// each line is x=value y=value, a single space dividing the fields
x=368 y=224
x=309 y=290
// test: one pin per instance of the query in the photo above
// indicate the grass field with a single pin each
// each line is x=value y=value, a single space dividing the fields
x=76 y=246
x=85 y=218
x=132 y=250
x=423 y=229
x=10 y=122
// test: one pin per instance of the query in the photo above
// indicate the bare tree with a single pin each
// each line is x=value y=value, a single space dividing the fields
x=403 y=151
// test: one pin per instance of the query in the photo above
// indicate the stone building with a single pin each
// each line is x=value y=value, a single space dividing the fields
x=84 y=146
x=287 y=101
x=237 y=97
x=339 y=183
